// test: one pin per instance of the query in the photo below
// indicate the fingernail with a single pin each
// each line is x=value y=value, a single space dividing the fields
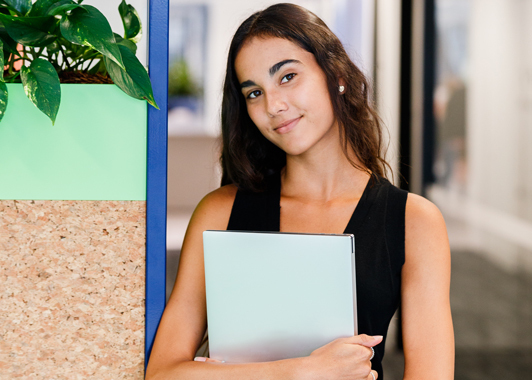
x=200 y=359
x=378 y=336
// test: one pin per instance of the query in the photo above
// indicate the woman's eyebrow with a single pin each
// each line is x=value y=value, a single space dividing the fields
x=247 y=83
x=278 y=65
x=275 y=68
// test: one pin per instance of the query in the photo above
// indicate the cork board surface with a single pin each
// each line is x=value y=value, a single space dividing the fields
x=72 y=294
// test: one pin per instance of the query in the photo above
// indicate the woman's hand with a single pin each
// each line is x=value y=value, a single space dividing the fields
x=344 y=358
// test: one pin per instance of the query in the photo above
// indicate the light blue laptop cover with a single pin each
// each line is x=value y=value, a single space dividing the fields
x=274 y=296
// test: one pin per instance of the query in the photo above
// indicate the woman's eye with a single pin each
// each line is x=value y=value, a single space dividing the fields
x=288 y=77
x=253 y=94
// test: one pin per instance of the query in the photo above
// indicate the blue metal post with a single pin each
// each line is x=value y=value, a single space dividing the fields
x=157 y=171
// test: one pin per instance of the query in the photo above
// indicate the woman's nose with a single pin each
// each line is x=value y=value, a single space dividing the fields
x=275 y=103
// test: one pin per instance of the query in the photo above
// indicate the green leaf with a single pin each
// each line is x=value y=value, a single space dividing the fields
x=87 y=26
x=131 y=21
x=29 y=31
x=41 y=84
x=10 y=45
x=134 y=80
x=127 y=43
x=63 y=8
x=2 y=64
x=43 y=7
x=54 y=47
x=3 y=99
x=22 y=6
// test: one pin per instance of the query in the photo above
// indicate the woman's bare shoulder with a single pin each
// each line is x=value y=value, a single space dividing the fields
x=223 y=197
x=214 y=209
x=425 y=230
x=420 y=212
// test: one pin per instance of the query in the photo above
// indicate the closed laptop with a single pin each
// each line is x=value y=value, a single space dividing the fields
x=274 y=296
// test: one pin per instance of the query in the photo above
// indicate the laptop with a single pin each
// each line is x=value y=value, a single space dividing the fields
x=273 y=295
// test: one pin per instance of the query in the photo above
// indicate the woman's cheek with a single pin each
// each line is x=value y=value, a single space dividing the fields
x=256 y=117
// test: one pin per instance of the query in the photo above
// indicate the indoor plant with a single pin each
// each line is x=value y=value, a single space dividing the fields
x=56 y=38
x=183 y=90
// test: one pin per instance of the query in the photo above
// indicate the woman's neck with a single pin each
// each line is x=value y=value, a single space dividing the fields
x=323 y=176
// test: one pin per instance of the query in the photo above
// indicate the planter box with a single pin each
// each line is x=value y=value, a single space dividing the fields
x=95 y=151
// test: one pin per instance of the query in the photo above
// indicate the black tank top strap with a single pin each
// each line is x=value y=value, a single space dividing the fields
x=367 y=200
x=395 y=224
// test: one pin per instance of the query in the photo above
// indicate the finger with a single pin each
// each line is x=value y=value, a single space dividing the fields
x=365 y=340
x=373 y=375
x=207 y=360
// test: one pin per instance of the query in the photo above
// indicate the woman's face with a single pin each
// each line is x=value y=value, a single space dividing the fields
x=286 y=95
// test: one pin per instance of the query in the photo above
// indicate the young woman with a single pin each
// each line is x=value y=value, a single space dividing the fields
x=302 y=153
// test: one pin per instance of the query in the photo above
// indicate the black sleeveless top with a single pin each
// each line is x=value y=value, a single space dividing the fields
x=378 y=224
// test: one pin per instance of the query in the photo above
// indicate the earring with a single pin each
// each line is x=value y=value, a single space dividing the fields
x=341 y=89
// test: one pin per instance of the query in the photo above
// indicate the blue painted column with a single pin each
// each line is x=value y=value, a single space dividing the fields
x=157 y=171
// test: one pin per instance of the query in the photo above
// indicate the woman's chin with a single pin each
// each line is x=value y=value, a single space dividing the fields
x=295 y=149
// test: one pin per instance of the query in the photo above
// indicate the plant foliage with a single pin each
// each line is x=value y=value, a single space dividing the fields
x=181 y=81
x=41 y=39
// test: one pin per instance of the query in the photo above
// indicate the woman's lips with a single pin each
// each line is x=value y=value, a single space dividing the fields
x=287 y=126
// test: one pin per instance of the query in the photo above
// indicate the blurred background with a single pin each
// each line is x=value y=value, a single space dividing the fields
x=452 y=80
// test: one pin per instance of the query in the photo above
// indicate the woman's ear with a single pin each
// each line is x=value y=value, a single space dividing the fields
x=341 y=86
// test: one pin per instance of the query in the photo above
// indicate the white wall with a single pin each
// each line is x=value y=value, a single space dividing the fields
x=500 y=106
x=388 y=59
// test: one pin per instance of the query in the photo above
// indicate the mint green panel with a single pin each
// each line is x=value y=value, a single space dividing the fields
x=95 y=151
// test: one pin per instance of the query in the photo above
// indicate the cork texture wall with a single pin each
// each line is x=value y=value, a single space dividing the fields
x=72 y=295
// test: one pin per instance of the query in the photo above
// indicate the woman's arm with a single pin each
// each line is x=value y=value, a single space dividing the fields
x=184 y=321
x=428 y=336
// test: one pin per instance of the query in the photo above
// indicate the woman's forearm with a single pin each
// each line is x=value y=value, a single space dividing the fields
x=340 y=359
x=289 y=369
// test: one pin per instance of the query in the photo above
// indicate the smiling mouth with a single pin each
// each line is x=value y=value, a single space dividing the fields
x=287 y=126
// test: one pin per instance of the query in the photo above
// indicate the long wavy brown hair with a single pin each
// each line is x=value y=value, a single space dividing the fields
x=248 y=159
